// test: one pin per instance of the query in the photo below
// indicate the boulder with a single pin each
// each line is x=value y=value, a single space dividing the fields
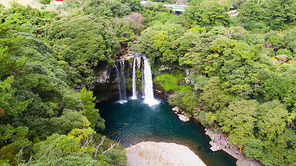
x=176 y=109
x=183 y=118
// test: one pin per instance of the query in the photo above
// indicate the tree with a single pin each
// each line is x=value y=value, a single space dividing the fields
x=238 y=2
x=213 y=98
x=71 y=159
x=158 y=42
x=280 y=151
x=254 y=149
x=272 y=118
x=69 y=120
x=109 y=8
x=239 y=119
x=15 y=140
x=45 y=1
x=276 y=41
x=249 y=12
x=83 y=42
x=191 y=45
x=9 y=43
x=89 y=110
x=280 y=12
x=290 y=40
x=254 y=39
x=275 y=86
x=215 y=15
x=135 y=5
x=9 y=104
x=197 y=14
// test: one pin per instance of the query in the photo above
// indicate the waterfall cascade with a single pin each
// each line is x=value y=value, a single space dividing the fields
x=121 y=82
x=146 y=78
x=148 y=89
x=134 y=80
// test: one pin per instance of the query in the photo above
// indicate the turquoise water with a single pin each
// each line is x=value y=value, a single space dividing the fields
x=134 y=122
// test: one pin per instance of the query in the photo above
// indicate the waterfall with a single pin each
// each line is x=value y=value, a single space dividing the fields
x=143 y=81
x=121 y=82
x=134 y=80
x=148 y=91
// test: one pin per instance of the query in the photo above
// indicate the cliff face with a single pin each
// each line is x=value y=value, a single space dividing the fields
x=106 y=84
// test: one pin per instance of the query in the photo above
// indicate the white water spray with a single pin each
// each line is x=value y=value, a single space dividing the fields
x=121 y=82
x=134 y=80
x=149 y=96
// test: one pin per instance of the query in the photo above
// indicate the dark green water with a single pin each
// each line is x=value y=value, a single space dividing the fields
x=134 y=122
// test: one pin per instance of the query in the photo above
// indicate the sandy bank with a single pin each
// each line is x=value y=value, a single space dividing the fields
x=161 y=153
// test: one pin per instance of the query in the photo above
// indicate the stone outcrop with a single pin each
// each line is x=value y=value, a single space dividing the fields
x=183 y=118
x=180 y=114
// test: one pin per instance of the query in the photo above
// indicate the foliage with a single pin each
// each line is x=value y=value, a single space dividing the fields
x=60 y=149
x=197 y=14
x=276 y=41
x=89 y=110
x=271 y=119
x=160 y=18
x=247 y=11
x=109 y=8
x=9 y=44
x=83 y=42
x=9 y=105
x=72 y=159
x=191 y=45
x=198 y=29
x=212 y=97
x=126 y=28
x=254 y=39
x=254 y=149
x=285 y=52
x=26 y=18
x=239 y=120
x=186 y=100
x=173 y=81
x=135 y=5
x=280 y=12
x=43 y=56
x=151 y=10
x=290 y=41
x=45 y=1
x=158 y=42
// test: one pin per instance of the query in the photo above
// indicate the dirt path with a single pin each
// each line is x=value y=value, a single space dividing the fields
x=241 y=159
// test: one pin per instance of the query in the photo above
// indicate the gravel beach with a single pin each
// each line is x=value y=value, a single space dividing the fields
x=161 y=153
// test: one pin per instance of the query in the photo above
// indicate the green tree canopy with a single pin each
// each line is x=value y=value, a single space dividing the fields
x=83 y=42
x=89 y=110
x=250 y=12
x=239 y=119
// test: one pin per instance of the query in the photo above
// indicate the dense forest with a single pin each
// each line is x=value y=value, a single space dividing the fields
x=243 y=81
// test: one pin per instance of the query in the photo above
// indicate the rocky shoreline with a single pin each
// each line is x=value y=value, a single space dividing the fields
x=160 y=154
x=180 y=114
x=221 y=144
